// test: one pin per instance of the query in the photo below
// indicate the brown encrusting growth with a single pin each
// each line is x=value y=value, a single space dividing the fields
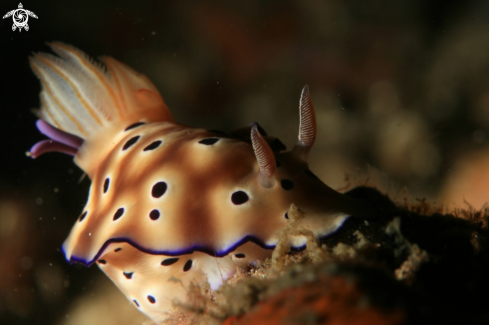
x=325 y=300
x=401 y=267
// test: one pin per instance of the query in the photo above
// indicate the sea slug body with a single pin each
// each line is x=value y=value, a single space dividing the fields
x=168 y=201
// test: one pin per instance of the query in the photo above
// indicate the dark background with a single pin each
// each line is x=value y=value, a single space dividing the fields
x=398 y=85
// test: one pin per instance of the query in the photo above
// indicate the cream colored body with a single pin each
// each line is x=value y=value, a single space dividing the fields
x=200 y=217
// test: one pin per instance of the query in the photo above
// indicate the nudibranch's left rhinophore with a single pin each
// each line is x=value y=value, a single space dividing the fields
x=168 y=203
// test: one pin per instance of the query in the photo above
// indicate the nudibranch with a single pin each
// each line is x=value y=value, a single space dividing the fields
x=168 y=203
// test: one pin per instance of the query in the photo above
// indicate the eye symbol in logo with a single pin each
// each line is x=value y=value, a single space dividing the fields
x=20 y=17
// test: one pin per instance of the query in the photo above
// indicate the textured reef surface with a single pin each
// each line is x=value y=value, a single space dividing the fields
x=414 y=264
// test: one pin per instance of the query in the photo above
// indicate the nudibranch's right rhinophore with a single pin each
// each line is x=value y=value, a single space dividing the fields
x=168 y=203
